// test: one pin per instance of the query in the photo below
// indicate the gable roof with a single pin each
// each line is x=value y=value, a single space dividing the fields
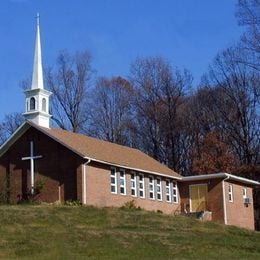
x=98 y=150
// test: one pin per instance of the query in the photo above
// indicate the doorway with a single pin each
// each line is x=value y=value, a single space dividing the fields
x=198 y=197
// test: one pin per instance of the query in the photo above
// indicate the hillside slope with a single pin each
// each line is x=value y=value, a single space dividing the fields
x=62 y=232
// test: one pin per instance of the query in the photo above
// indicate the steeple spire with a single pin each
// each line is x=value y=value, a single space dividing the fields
x=37 y=79
x=37 y=98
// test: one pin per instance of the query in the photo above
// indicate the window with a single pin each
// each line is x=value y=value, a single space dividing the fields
x=168 y=191
x=230 y=193
x=122 y=182
x=159 y=189
x=44 y=105
x=141 y=186
x=113 y=180
x=175 y=192
x=32 y=103
x=151 y=187
x=244 y=192
x=133 y=185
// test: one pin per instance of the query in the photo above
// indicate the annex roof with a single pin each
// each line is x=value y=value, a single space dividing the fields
x=222 y=175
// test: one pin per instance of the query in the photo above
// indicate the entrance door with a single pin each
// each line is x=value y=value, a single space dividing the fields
x=198 y=197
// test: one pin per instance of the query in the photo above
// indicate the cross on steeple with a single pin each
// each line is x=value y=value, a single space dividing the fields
x=32 y=157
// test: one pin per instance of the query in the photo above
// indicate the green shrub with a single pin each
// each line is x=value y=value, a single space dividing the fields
x=130 y=205
x=33 y=198
x=72 y=203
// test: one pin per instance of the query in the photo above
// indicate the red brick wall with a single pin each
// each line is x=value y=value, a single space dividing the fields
x=238 y=213
x=99 y=191
x=58 y=169
x=214 y=198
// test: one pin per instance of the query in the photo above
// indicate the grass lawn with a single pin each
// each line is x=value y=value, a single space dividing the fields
x=65 y=232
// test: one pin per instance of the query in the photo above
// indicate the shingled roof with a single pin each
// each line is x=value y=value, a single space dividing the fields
x=107 y=152
x=99 y=150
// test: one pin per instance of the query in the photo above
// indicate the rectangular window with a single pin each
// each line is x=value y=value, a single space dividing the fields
x=159 y=189
x=244 y=193
x=133 y=185
x=230 y=193
x=151 y=187
x=175 y=197
x=141 y=186
x=122 y=182
x=113 y=180
x=168 y=191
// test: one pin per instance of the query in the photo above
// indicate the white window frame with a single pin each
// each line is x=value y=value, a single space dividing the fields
x=168 y=190
x=122 y=178
x=159 y=186
x=175 y=192
x=151 y=188
x=143 y=184
x=230 y=193
x=133 y=185
x=244 y=192
x=114 y=176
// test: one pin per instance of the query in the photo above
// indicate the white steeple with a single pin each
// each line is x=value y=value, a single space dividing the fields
x=37 y=79
x=37 y=98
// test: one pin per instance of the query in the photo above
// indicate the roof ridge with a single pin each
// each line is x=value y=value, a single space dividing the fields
x=109 y=142
x=96 y=138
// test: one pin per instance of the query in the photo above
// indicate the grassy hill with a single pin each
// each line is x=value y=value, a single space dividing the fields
x=63 y=232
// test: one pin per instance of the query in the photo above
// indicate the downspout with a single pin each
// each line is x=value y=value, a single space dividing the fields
x=84 y=182
x=224 y=199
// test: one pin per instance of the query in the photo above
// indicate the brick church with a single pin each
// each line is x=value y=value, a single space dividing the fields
x=70 y=166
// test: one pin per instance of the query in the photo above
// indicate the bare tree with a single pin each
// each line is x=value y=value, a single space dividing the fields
x=147 y=76
x=8 y=126
x=69 y=83
x=111 y=110
x=236 y=103
x=248 y=15
x=159 y=101
x=173 y=121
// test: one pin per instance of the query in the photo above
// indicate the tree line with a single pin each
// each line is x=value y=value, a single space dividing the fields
x=211 y=128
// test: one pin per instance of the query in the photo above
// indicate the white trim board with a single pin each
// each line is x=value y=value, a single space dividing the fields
x=220 y=175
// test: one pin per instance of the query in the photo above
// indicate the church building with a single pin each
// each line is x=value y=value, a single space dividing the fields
x=54 y=165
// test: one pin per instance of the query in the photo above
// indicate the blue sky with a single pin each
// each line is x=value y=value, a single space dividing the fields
x=188 y=33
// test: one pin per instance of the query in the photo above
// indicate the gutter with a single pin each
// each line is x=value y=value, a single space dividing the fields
x=220 y=175
x=204 y=177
